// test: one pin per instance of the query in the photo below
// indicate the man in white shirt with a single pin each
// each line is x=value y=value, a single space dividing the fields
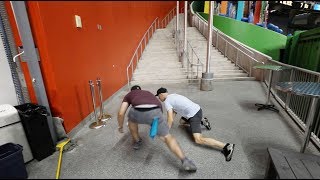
x=192 y=113
x=144 y=106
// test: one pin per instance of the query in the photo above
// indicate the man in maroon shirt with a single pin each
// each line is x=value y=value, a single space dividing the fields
x=144 y=107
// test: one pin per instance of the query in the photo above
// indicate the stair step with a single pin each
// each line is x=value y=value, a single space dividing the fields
x=158 y=76
x=160 y=64
x=167 y=81
x=224 y=79
x=217 y=75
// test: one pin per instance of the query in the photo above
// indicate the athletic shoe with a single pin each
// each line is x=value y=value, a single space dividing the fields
x=206 y=123
x=188 y=165
x=227 y=151
x=137 y=145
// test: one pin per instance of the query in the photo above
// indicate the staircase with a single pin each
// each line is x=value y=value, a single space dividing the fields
x=222 y=68
x=160 y=62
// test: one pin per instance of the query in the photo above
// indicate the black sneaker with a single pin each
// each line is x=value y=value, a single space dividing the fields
x=206 y=123
x=137 y=145
x=227 y=151
x=188 y=165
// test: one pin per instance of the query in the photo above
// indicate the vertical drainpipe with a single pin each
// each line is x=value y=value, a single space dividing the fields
x=207 y=77
x=22 y=21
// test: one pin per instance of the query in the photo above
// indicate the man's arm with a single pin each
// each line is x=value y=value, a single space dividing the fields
x=170 y=117
x=122 y=111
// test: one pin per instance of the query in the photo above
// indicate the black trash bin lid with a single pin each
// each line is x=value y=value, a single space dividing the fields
x=9 y=149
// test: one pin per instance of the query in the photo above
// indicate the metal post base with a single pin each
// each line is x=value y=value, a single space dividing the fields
x=266 y=106
x=181 y=57
x=184 y=59
x=97 y=125
x=105 y=117
x=206 y=82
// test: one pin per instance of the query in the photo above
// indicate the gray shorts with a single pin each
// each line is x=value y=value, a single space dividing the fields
x=145 y=116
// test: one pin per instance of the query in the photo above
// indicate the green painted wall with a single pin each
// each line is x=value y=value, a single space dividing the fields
x=261 y=39
x=198 y=6
x=303 y=49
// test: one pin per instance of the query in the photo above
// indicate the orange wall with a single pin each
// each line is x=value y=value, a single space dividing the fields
x=70 y=57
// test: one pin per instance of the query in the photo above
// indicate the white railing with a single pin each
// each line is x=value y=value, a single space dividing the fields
x=191 y=55
x=165 y=21
x=146 y=37
x=244 y=57
x=296 y=106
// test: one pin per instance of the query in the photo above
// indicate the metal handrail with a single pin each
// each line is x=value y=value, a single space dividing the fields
x=238 y=50
x=164 y=20
x=296 y=106
x=190 y=62
x=140 y=46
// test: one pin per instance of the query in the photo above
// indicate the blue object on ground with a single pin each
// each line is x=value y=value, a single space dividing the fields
x=244 y=19
x=272 y=27
x=280 y=31
x=154 y=127
x=260 y=24
x=250 y=18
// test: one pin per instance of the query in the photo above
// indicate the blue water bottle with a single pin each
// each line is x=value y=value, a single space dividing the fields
x=154 y=127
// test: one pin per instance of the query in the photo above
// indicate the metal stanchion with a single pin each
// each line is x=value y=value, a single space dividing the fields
x=103 y=116
x=97 y=124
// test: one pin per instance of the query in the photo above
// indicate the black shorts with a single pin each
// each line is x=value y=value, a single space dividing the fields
x=195 y=122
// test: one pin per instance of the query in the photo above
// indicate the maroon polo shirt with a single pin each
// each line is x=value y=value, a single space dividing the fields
x=139 y=97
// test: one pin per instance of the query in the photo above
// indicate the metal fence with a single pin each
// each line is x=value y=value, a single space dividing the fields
x=246 y=58
x=156 y=24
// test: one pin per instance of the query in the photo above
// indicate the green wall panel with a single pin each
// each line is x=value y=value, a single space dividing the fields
x=198 y=6
x=258 y=38
x=303 y=50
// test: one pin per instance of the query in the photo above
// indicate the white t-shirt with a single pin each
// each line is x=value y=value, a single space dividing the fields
x=181 y=105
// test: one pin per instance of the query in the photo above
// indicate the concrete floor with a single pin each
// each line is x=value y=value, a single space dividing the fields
x=104 y=153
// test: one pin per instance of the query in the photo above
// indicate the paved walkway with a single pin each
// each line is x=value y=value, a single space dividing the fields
x=105 y=153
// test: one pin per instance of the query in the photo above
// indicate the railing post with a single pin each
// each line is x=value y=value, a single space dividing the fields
x=128 y=78
x=207 y=77
x=225 y=48
x=237 y=58
x=145 y=41
x=140 y=50
x=217 y=40
x=288 y=97
x=132 y=69
x=250 y=64
x=309 y=124
x=137 y=62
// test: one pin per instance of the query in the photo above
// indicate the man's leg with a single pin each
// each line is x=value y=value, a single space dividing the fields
x=133 y=127
x=226 y=148
x=137 y=142
x=173 y=145
x=199 y=139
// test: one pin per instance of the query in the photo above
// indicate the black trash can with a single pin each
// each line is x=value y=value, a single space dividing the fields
x=34 y=121
x=11 y=162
